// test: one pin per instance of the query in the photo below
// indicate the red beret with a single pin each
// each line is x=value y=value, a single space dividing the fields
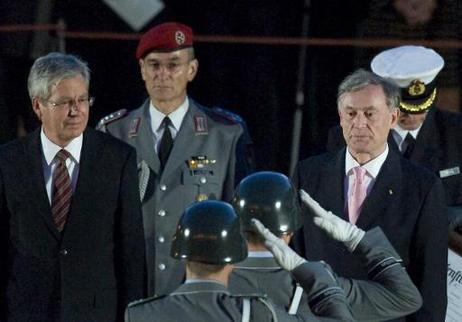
x=166 y=37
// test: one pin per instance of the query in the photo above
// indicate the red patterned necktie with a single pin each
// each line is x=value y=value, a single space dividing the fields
x=358 y=194
x=62 y=190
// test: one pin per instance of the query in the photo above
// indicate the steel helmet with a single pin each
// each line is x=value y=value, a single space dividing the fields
x=209 y=232
x=271 y=198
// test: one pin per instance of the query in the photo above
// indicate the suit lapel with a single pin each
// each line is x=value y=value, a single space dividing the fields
x=37 y=181
x=334 y=185
x=426 y=151
x=383 y=194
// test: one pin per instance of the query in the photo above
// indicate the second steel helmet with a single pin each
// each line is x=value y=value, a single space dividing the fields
x=209 y=232
x=271 y=198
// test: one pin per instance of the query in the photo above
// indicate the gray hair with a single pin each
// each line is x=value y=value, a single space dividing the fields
x=362 y=78
x=51 y=69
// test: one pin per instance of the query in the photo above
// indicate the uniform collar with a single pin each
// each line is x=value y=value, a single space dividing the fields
x=258 y=263
x=50 y=149
x=176 y=116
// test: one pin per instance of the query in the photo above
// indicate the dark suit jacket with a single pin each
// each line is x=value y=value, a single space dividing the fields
x=406 y=201
x=96 y=265
x=438 y=147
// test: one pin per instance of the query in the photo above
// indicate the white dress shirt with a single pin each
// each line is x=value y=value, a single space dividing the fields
x=49 y=151
x=372 y=170
x=157 y=117
x=399 y=135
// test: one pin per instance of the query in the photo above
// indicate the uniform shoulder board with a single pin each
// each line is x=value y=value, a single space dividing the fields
x=146 y=300
x=111 y=118
x=230 y=116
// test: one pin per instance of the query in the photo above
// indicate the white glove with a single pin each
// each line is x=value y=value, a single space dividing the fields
x=284 y=255
x=334 y=226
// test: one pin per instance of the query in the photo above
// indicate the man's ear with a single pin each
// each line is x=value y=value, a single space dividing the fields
x=141 y=63
x=192 y=69
x=36 y=107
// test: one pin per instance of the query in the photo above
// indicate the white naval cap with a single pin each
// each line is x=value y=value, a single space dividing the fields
x=414 y=70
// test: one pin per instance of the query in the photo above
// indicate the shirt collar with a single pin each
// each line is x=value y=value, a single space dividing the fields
x=260 y=254
x=176 y=116
x=198 y=280
x=50 y=149
x=402 y=132
x=372 y=167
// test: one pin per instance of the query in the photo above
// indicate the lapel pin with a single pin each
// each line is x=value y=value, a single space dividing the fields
x=390 y=192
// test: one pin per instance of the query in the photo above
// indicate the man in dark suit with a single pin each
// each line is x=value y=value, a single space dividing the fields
x=195 y=156
x=370 y=185
x=71 y=238
x=435 y=135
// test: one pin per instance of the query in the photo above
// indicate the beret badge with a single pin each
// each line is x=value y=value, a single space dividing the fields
x=180 y=37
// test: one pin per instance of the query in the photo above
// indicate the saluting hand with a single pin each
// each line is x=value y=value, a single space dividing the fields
x=284 y=255
x=334 y=226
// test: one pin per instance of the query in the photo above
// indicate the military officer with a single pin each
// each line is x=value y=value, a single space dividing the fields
x=209 y=237
x=271 y=198
x=186 y=152
x=424 y=134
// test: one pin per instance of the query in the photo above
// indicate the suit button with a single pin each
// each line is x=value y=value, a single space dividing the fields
x=161 y=213
x=161 y=239
x=163 y=187
x=203 y=180
x=161 y=267
x=63 y=252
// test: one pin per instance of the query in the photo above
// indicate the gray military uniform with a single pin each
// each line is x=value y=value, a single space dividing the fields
x=389 y=292
x=211 y=301
x=201 y=165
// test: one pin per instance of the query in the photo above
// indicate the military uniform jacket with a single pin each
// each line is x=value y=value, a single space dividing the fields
x=406 y=202
x=438 y=147
x=211 y=301
x=166 y=195
x=95 y=266
x=388 y=292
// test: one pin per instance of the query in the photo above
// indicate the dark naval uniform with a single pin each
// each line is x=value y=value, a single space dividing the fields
x=201 y=165
x=438 y=147
x=388 y=292
x=211 y=301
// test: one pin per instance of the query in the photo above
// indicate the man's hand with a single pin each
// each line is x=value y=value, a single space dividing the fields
x=334 y=226
x=284 y=255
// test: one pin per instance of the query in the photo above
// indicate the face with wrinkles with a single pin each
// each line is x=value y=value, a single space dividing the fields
x=166 y=76
x=366 y=121
x=64 y=115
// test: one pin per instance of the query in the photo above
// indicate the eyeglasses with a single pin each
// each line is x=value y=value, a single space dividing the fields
x=67 y=104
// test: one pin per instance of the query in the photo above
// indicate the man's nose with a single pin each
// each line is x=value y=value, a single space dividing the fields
x=360 y=120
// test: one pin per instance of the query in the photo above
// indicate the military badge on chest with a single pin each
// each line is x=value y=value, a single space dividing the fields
x=201 y=170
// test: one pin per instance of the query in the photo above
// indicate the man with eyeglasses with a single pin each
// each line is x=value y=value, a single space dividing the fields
x=71 y=234
x=186 y=152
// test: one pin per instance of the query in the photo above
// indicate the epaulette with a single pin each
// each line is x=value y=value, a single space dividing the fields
x=111 y=118
x=146 y=300
x=230 y=116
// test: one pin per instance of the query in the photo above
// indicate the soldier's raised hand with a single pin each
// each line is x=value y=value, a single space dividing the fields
x=334 y=226
x=284 y=255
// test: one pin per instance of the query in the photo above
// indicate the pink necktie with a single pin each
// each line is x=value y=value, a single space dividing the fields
x=357 y=195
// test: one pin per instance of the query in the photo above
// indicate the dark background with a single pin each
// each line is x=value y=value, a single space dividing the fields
x=256 y=81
